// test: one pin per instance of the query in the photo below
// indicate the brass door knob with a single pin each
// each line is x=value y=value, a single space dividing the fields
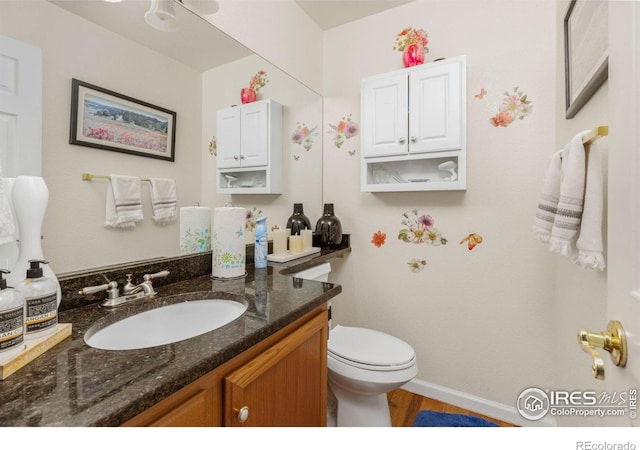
x=613 y=340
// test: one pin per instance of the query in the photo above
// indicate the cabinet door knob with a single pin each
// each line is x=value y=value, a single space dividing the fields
x=235 y=157
x=241 y=156
x=401 y=140
x=243 y=414
x=413 y=139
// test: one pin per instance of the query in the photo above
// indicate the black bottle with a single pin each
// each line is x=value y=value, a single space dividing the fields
x=298 y=221
x=329 y=228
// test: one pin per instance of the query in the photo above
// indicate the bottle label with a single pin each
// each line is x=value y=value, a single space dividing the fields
x=11 y=328
x=41 y=313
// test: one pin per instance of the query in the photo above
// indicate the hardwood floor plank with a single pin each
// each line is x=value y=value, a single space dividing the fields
x=405 y=405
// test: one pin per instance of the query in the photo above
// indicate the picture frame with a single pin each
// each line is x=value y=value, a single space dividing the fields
x=107 y=120
x=586 y=52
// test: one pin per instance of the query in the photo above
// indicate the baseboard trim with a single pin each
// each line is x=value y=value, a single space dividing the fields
x=476 y=404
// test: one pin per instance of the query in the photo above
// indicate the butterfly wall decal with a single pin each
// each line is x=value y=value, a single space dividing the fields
x=473 y=239
x=481 y=95
x=296 y=157
x=352 y=152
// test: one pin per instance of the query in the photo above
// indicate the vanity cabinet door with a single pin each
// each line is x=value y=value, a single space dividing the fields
x=384 y=115
x=284 y=386
x=228 y=138
x=435 y=108
x=254 y=134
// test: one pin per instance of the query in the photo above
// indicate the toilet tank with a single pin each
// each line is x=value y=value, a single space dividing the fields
x=319 y=273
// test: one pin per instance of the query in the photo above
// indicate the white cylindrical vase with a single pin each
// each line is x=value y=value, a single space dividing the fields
x=30 y=197
x=9 y=250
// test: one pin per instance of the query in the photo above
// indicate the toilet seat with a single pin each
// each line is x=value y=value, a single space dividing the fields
x=369 y=349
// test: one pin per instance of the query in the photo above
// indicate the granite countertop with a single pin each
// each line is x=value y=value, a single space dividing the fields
x=76 y=385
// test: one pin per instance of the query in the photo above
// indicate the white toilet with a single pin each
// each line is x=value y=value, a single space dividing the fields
x=363 y=365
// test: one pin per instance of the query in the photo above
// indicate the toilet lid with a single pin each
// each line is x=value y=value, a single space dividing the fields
x=364 y=347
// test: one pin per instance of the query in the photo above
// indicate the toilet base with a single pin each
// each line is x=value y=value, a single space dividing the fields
x=360 y=410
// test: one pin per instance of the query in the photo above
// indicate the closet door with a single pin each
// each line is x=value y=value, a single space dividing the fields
x=20 y=108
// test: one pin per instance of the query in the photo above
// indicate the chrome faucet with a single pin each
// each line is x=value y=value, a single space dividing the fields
x=130 y=291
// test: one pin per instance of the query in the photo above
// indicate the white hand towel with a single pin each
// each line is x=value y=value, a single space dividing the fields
x=590 y=241
x=124 y=202
x=164 y=200
x=571 y=201
x=548 y=203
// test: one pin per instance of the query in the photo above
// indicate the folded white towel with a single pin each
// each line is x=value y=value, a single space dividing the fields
x=590 y=241
x=164 y=200
x=548 y=203
x=124 y=202
x=566 y=223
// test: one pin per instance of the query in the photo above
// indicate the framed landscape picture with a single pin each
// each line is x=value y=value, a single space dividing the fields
x=586 y=51
x=104 y=119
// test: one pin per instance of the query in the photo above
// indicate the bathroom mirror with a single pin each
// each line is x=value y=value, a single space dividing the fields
x=193 y=71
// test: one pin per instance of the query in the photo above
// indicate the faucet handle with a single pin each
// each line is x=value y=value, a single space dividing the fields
x=112 y=287
x=153 y=276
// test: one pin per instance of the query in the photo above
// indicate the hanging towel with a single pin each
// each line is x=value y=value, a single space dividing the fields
x=566 y=223
x=590 y=240
x=124 y=203
x=164 y=200
x=548 y=203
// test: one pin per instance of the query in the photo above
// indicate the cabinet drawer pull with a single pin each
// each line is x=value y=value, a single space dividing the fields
x=243 y=414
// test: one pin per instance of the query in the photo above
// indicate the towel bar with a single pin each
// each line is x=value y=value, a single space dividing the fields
x=91 y=176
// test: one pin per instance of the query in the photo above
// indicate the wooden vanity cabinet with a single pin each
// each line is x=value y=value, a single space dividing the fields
x=282 y=381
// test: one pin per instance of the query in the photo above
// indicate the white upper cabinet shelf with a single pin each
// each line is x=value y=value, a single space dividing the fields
x=414 y=128
x=249 y=140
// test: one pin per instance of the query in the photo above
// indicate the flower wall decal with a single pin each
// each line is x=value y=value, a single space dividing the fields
x=252 y=215
x=259 y=80
x=378 y=239
x=345 y=129
x=416 y=265
x=420 y=230
x=410 y=36
x=213 y=146
x=303 y=135
x=515 y=105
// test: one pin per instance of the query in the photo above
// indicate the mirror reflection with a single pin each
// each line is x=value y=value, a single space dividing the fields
x=194 y=71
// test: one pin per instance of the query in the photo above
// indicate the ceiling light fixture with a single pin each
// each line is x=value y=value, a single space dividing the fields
x=161 y=16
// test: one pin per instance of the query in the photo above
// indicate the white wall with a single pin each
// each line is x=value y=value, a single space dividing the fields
x=280 y=31
x=75 y=48
x=481 y=321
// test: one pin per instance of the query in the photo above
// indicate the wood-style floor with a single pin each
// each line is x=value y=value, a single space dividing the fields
x=404 y=406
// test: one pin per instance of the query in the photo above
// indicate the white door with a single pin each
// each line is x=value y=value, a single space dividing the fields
x=254 y=134
x=20 y=108
x=623 y=272
x=385 y=115
x=436 y=106
x=228 y=138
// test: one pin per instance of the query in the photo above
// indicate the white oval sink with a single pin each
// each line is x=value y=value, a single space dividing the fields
x=165 y=325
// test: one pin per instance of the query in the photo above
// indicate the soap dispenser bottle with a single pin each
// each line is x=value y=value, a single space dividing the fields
x=11 y=319
x=40 y=300
x=262 y=243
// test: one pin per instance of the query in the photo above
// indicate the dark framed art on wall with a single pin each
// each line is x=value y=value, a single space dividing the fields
x=107 y=120
x=586 y=51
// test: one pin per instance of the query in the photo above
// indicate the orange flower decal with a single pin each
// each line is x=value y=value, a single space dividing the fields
x=473 y=239
x=378 y=238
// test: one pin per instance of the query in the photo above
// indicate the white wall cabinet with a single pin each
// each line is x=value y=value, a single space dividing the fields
x=249 y=141
x=414 y=128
